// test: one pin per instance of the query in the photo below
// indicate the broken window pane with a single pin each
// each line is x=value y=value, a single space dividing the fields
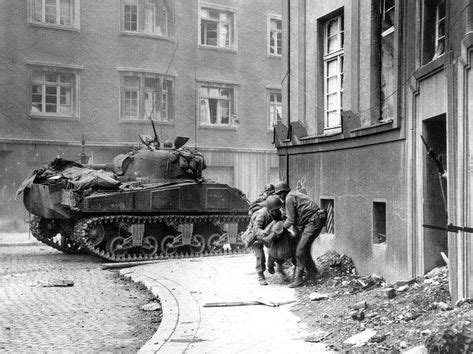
x=216 y=28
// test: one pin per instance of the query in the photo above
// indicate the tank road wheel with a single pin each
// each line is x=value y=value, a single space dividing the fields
x=150 y=245
x=96 y=234
x=197 y=244
x=213 y=243
x=166 y=245
x=115 y=246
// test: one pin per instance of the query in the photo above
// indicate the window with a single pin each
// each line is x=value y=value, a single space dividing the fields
x=387 y=17
x=434 y=23
x=379 y=222
x=387 y=77
x=439 y=29
x=333 y=71
x=53 y=92
x=216 y=105
x=146 y=96
x=146 y=16
x=275 y=108
x=328 y=205
x=216 y=28
x=275 y=37
x=61 y=13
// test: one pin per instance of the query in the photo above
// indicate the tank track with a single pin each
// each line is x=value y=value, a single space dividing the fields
x=82 y=226
x=39 y=233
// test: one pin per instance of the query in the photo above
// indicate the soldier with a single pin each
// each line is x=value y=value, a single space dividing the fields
x=262 y=218
x=259 y=202
x=303 y=218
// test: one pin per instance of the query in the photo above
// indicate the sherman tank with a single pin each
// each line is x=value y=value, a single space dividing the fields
x=150 y=203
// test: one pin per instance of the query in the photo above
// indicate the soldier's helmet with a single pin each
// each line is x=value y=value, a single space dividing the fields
x=269 y=189
x=273 y=202
x=281 y=187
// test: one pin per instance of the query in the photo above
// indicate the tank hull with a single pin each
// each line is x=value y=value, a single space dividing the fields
x=145 y=222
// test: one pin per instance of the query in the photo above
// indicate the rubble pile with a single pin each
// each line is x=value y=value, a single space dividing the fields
x=341 y=263
x=458 y=339
x=397 y=317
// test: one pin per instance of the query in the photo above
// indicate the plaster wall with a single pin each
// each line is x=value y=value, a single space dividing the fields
x=354 y=179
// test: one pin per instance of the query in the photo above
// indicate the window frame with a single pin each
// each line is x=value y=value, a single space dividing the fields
x=375 y=222
x=167 y=32
x=234 y=28
x=233 y=117
x=325 y=202
x=271 y=91
x=75 y=16
x=328 y=57
x=438 y=38
x=268 y=49
x=384 y=11
x=74 y=70
x=142 y=90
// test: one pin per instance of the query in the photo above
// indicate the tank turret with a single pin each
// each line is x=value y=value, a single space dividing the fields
x=148 y=203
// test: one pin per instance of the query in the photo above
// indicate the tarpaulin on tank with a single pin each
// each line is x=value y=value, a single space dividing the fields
x=71 y=173
x=84 y=178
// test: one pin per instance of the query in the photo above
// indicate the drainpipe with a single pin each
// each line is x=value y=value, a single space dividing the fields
x=289 y=130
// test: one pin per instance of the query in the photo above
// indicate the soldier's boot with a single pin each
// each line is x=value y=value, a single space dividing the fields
x=262 y=279
x=282 y=273
x=311 y=272
x=298 y=278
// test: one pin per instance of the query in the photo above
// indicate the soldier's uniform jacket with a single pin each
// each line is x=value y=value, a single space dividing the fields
x=300 y=208
x=262 y=219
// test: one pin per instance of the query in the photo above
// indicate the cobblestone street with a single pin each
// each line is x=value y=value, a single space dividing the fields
x=100 y=312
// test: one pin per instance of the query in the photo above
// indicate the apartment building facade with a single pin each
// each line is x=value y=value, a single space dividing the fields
x=366 y=80
x=101 y=69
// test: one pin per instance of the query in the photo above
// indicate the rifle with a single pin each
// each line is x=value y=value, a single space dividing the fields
x=435 y=158
x=438 y=162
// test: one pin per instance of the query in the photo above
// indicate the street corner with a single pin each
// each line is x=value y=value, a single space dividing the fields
x=209 y=302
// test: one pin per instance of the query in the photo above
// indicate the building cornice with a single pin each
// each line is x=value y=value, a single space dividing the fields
x=53 y=64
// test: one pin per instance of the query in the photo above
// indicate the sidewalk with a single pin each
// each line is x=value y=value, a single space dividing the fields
x=17 y=239
x=185 y=285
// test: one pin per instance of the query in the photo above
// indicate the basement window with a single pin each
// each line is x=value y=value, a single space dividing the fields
x=379 y=222
x=328 y=205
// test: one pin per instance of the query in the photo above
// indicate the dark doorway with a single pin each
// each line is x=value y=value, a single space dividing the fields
x=434 y=209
